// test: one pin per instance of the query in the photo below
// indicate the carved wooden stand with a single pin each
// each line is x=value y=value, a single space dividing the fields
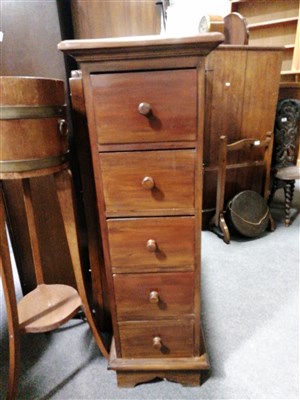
x=285 y=172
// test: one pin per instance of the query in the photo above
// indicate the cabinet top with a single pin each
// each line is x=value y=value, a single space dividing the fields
x=133 y=47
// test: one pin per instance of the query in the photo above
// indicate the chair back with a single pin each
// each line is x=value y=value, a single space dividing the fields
x=286 y=133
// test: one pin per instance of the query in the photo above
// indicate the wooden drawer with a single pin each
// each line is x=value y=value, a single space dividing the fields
x=172 y=96
x=148 y=182
x=151 y=339
x=147 y=296
x=151 y=244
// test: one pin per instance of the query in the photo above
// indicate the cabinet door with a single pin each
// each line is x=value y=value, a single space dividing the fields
x=99 y=19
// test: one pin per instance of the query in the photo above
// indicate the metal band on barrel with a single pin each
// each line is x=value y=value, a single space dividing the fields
x=31 y=112
x=32 y=164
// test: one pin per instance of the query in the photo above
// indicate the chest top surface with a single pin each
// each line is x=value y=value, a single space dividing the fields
x=137 y=47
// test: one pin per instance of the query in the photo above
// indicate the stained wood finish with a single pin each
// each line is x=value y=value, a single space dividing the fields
x=285 y=153
x=139 y=339
x=236 y=30
x=173 y=237
x=124 y=188
x=39 y=131
x=218 y=223
x=66 y=199
x=171 y=112
x=34 y=91
x=99 y=292
x=272 y=24
x=130 y=379
x=7 y=281
x=289 y=90
x=140 y=296
x=115 y=19
x=34 y=139
x=296 y=53
x=48 y=306
x=149 y=199
x=118 y=50
x=239 y=79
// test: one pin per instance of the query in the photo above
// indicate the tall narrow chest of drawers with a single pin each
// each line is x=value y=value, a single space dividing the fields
x=144 y=98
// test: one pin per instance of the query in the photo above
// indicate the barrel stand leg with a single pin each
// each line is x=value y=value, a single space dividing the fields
x=6 y=275
x=65 y=195
x=218 y=223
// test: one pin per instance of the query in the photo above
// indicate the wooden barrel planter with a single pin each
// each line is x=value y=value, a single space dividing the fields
x=33 y=132
x=34 y=143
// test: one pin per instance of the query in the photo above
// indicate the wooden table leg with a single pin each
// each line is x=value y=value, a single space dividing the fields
x=11 y=304
x=65 y=195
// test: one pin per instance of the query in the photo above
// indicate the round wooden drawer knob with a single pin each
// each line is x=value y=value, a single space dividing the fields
x=144 y=108
x=151 y=245
x=148 y=183
x=154 y=297
x=157 y=343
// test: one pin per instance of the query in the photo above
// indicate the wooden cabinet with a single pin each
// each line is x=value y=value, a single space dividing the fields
x=145 y=107
x=274 y=23
x=100 y=19
x=242 y=84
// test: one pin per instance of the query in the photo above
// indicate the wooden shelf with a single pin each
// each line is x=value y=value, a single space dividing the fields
x=47 y=307
x=292 y=76
x=268 y=24
x=272 y=23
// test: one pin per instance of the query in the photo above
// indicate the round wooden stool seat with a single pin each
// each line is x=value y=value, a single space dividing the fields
x=288 y=173
x=47 y=307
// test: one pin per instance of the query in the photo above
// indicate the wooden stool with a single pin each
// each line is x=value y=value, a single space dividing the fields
x=34 y=143
x=285 y=172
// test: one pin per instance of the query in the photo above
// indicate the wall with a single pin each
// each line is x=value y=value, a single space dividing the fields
x=30 y=36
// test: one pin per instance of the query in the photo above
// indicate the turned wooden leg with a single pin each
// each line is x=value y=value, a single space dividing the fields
x=288 y=192
x=65 y=195
x=11 y=305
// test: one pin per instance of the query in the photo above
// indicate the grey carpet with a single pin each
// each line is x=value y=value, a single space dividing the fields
x=250 y=315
